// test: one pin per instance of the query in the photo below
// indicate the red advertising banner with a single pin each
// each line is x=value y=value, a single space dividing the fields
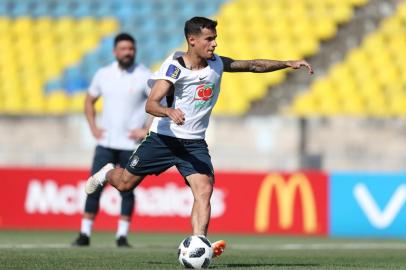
x=270 y=203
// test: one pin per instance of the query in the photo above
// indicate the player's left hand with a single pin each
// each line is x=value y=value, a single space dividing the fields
x=138 y=134
x=300 y=63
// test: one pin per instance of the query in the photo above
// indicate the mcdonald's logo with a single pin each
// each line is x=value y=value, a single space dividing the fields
x=285 y=192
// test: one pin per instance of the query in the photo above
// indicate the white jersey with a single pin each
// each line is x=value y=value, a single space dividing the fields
x=124 y=95
x=196 y=93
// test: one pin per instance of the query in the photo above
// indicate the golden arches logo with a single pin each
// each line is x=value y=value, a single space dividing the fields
x=285 y=193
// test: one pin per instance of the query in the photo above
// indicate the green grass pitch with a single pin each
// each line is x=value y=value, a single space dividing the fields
x=51 y=250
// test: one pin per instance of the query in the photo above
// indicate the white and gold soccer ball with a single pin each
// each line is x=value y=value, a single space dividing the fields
x=195 y=252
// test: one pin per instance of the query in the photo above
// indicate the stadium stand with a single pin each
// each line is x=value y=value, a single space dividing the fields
x=296 y=34
x=371 y=81
x=39 y=50
x=49 y=50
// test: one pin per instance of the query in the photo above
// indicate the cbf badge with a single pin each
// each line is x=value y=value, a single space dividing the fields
x=134 y=161
x=173 y=71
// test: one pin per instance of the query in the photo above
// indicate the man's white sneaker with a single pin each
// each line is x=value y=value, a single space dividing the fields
x=98 y=179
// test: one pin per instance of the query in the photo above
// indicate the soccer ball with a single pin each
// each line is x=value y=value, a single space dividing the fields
x=195 y=252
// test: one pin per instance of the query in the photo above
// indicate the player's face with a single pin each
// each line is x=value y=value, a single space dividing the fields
x=125 y=53
x=205 y=43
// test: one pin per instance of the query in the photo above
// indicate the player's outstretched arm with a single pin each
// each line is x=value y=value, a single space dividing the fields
x=262 y=65
x=161 y=89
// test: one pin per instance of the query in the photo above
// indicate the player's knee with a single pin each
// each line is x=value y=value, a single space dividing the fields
x=122 y=187
x=204 y=193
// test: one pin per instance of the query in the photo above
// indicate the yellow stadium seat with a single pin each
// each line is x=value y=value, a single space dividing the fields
x=51 y=71
x=77 y=102
x=304 y=105
x=35 y=105
x=32 y=87
x=396 y=45
x=13 y=105
x=325 y=28
x=397 y=105
x=46 y=44
x=392 y=25
x=275 y=77
x=87 y=25
x=70 y=58
x=108 y=26
x=358 y=2
x=321 y=85
x=88 y=43
x=353 y=105
x=64 y=26
x=43 y=26
x=5 y=24
x=22 y=26
x=307 y=47
x=402 y=11
x=328 y=107
x=342 y=13
x=281 y=27
x=57 y=102
x=297 y=34
x=36 y=50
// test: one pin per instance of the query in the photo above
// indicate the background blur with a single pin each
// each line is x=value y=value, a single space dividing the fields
x=348 y=117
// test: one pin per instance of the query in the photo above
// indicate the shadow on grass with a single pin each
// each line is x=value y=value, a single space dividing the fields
x=240 y=265
x=158 y=263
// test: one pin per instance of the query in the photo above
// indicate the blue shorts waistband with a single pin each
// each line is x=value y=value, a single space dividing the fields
x=185 y=141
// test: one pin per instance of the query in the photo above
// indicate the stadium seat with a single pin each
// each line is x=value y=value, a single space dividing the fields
x=61 y=43
x=78 y=34
x=57 y=102
x=377 y=89
x=295 y=35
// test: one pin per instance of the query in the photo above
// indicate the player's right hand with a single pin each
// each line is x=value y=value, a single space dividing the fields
x=177 y=116
x=97 y=132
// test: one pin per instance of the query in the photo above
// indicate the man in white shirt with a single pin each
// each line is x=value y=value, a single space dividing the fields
x=190 y=81
x=122 y=126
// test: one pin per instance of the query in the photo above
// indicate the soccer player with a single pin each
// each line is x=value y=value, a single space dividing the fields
x=190 y=82
x=123 y=86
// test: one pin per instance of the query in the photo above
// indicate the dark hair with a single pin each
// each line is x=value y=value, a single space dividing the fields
x=195 y=25
x=123 y=36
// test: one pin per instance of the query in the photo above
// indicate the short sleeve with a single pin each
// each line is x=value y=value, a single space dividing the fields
x=168 y=71
x=94 y=88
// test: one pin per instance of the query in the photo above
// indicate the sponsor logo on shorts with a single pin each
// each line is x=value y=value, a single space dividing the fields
x=134 y=161
x=173 y=72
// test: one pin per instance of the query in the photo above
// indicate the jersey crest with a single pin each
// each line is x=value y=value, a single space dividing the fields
x=173 y=71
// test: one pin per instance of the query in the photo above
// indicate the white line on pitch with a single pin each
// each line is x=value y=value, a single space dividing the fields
x=291 y=246
x=329 y=246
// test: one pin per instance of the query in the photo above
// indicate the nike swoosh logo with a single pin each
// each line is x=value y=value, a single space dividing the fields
x=202 y=78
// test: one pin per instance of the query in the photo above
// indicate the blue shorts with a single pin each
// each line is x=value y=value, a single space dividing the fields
x=158 y=153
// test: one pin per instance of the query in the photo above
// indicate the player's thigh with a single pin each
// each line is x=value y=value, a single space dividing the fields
x=153 y=156
x=131 y=179
x=195 y=160
x=102 y=156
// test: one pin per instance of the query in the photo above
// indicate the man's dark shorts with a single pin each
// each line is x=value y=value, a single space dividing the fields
x=158 y=153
